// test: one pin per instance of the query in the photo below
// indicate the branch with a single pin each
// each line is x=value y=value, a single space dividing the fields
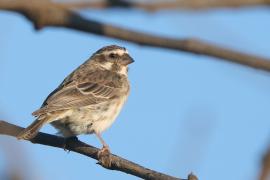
x=117 y=163
x=45 y=13
x=177 y=4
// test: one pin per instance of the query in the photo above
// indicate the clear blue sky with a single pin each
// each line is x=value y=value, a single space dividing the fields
x=185 y=112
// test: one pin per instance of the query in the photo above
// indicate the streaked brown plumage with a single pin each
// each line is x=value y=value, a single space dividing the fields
x=89 y=99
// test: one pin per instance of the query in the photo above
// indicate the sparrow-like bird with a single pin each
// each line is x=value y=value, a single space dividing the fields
x=89 y=99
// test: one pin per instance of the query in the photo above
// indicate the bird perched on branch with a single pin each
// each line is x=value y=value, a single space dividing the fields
x=89 y=99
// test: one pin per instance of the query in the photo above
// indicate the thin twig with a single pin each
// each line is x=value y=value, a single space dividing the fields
x=117 y=163
x=166 y=5
x=45 y=13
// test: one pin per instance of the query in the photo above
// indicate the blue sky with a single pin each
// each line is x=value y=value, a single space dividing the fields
x=185 y=112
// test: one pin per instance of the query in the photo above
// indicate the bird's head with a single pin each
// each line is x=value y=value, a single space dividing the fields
x=113 y=58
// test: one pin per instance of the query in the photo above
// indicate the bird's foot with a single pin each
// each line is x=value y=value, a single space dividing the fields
x=66 y=140
x=104 y=157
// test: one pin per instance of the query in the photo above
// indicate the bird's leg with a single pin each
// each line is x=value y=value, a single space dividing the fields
x=104 y=154
x=105 y=146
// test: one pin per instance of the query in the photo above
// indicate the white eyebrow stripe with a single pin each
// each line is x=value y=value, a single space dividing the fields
x=116 y=51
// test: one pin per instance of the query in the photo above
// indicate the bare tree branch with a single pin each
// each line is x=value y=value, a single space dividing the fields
x=177 y=4
x=117 y=163
x=45 y=13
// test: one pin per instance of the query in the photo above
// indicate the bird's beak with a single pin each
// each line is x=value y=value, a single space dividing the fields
x=127 y=59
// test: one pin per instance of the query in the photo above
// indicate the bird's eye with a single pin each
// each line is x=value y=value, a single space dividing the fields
x=112 y=55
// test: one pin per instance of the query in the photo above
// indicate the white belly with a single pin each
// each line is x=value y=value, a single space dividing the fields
x=90 y=119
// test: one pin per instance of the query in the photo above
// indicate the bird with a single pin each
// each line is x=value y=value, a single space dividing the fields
x=89 y=99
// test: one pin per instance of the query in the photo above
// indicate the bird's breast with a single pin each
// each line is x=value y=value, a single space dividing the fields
x=109 y=113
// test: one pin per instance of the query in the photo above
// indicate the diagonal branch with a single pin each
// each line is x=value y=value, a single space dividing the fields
x=45 y=13
x=117 y=163
x=161 y=5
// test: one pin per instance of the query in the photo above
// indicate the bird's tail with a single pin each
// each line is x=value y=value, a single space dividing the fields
x=31 y=131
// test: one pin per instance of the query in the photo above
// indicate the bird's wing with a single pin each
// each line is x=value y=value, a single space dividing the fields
x=99 y=87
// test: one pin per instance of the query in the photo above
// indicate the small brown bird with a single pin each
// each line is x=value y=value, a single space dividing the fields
x=89 y=99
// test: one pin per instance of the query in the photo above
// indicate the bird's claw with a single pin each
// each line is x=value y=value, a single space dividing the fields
x=104 y=157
